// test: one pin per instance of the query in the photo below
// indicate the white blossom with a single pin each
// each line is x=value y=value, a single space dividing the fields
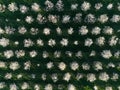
x=41 y=19
x=48 y=87
x=103 y=18
x=2 y=8
x=34 y=31
x=108 y=30
x=77 y=18
x=115 y=76
x=97 y=65
x=27 y=65
x=98 y=6
x=117 y=54
x=109 y=6
x=62 y=66
x=88 y=42
x=100 y=41
x=53 y=18
x=33 y=53
x=8 y=54
x=12 y=7
x=74 y=65
x=8 y=76
x=49 y=65
x=43 y=76
x=35 y=7
x=51 y=42
x=85 y=66
x=118 y=87
x=18 y=20
x=29 y=19
x=70 y=30
x=40 y=42
x=69 y=53
x=57 y=54
x=110 y=65
x=113 y=41
x=79 y=54
x=14 y=65
x=96 y=30
x=2 y=85
x=90 y=18
x=28 y=43
x=108 y=88
x=106 y=54
x=22 y=30
x=38 y=65
x=54 y=77
x=13 y=87
x=4 y=42
x=85 y=6
x=59 y=5
x=19 y=76
x=33 y=76
x=76 y=42
x=115 y=18
x=83 y=30
x=67 y=76
x=79 y=76
x=95 y=87
x=64 y=42
x=23 y=9
x=36 y=87
x=45 y=54
x=49 y=5
x=16 y=43
x=66 y=19
x=74 y=6
x=71 y=87
x=104 y=76
x=46 y=31
x=118 y=6
x=93 y=53
x=118 y=65
x=20 y=53
x=9 y=30
x=1 y=31
x=58 y=30
x=24 y=86
x=2 y=64
x=91 y=77
x=60 y=86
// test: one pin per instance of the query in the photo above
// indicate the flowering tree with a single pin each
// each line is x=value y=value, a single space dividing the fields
x=59 y=45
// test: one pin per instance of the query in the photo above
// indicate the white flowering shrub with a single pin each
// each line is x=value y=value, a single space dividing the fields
x=59 y=45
